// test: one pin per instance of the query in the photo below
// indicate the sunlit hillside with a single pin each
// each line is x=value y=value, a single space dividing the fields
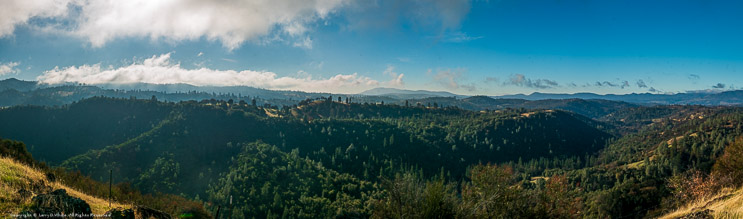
x=727 y=204
x=20 y=182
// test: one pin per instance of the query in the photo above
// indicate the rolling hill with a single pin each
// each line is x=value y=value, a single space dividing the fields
x=333 y=157
x=407 y=94
x=199 y=138
x=16 y=92
x=29 y=188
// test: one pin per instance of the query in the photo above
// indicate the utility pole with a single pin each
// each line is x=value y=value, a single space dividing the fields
x=110 y=177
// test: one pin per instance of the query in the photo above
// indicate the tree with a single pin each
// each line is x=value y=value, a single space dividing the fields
x=16 y=150
x=410 y=197
x=730 y=164
x=490 y=194
x=556 y=199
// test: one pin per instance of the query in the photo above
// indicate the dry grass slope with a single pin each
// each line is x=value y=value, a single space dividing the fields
x=726 y=204
x=15 y=176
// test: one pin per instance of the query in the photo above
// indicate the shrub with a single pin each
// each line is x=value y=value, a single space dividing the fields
x=730 y=164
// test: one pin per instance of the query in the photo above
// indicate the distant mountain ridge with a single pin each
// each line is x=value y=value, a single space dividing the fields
x=733 y=97
x=183 y=88
x=15 y=84
x=15 y=92
x=407 y=94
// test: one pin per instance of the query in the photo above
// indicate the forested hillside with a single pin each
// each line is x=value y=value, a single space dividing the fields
x=378 y=141
x=400 y=109
x=54 y=134
x=333 y=157
x=29 y=189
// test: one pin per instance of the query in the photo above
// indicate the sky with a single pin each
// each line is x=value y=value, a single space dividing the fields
x=466 y=47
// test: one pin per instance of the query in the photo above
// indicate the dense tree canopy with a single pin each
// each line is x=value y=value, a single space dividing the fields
x=332 y=157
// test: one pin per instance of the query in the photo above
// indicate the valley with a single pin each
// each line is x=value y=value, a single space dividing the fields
x=330 y=157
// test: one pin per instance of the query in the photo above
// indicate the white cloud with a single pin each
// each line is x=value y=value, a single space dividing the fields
x=317 y=65
x=396 y=78
x=160 y=70
x=200 y=54
x=8 y=68
x=451 y=79
x=305 y=43
x=232 y=22
x=18 y=12
x=457 y=37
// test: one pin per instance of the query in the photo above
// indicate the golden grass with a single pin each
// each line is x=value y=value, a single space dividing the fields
x=536 y=178
x=635 y=165
x=271 y=112
x=15 y=175
x=726 y=204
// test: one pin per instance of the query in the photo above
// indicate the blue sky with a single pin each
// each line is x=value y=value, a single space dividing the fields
x=466 y=47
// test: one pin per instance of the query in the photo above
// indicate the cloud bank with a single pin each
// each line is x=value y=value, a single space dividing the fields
x=621 y=84
x=15 y=12
x=232 y=22
x=159 y=70
x=605 y=83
